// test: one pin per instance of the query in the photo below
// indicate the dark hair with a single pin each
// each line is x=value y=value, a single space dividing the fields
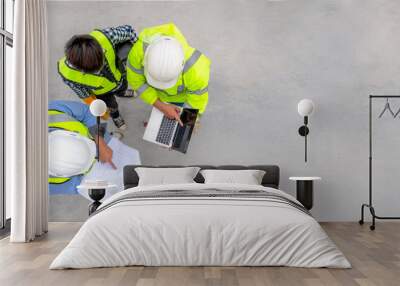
x=84 y=53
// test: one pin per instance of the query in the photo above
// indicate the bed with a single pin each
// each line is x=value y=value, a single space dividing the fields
x=201 y=224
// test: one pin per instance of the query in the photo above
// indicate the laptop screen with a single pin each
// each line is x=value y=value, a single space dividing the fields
x=189 y=116
x=183 y=133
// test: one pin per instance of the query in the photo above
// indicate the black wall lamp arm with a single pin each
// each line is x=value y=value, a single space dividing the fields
x=304 y=131
x=98 y=139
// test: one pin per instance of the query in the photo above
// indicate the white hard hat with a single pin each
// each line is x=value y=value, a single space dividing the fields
x=163 y=62
x=70 y=153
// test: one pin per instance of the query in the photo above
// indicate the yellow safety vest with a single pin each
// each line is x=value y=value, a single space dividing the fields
x=63 y=121
x=97 y=84
x=192 y=85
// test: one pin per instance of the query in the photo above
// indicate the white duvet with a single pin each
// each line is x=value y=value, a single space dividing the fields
x=193 y=231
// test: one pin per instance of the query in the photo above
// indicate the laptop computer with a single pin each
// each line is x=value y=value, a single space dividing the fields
x=168 y=132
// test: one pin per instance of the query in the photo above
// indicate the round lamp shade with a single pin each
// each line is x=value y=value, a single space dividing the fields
x=98 y=107
x=305 y=107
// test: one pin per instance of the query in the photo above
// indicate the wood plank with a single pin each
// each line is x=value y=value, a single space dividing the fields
x=375 y=257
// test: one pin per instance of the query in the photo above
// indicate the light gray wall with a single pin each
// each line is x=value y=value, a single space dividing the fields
x=266 y=56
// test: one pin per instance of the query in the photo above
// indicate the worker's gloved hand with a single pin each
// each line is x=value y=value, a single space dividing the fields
x=169 y=110
x=106 y=153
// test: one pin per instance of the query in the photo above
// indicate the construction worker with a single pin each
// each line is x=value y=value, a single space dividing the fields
x=93 y=67
x=162 y=68
x=72 y=147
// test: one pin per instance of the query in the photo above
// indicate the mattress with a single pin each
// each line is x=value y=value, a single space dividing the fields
x=201 y=225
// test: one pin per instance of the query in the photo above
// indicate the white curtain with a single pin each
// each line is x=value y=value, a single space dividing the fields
x=26 y=123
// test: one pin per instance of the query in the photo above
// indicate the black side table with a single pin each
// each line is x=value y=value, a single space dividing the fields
x=304 y=190
x=96 y=193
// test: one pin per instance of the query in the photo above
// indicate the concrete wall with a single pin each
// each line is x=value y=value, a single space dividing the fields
x=266 y=56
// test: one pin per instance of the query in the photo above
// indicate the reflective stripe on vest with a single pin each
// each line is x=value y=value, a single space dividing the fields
x=188 y=64
x=142 y=88
x=98 y=84
x=109 y=53
x=60 y=120
x=57 y=180
x=199 y=91
x=191 y=61
x=132 y=68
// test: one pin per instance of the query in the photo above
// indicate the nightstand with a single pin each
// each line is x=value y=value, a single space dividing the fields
x=304 y=190
x=96 y=191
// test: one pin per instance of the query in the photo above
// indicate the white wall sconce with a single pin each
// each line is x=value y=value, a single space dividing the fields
x=305 y=107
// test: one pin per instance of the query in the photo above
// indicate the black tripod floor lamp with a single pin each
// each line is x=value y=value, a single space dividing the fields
x=98 y=108
x=98 y=190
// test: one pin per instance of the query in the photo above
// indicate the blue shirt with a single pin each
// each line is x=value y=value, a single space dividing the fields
x=81 y=113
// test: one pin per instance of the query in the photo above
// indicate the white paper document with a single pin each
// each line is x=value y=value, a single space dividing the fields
x=122 y=155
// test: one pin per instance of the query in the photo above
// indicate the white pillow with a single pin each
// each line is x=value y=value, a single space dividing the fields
x=248 y=177
x=165 y=176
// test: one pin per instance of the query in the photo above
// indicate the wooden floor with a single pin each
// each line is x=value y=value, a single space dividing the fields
x=375 y=257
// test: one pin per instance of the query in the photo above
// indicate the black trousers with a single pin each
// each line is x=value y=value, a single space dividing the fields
x=111 y=101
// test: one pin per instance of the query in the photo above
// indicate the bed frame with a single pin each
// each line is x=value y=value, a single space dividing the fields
x=270 y=179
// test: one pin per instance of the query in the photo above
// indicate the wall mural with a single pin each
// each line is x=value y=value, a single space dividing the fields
x=159 y=66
